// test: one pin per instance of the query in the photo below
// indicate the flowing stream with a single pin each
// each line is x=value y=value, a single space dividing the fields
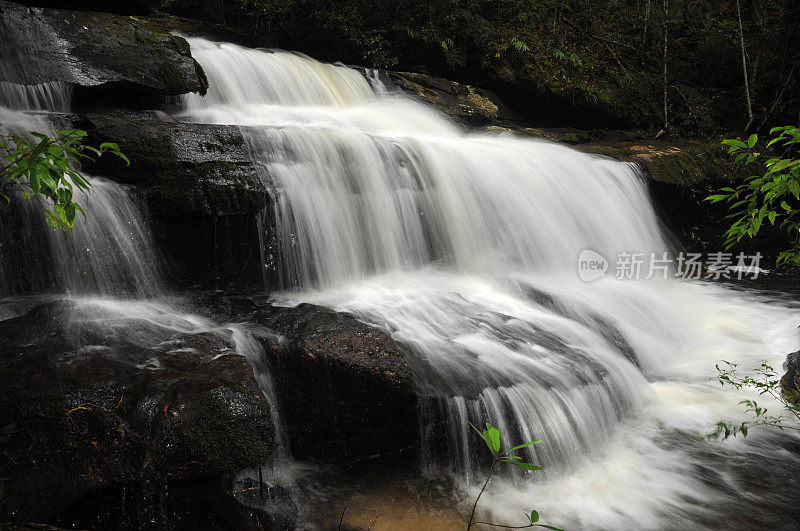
x=465 y=246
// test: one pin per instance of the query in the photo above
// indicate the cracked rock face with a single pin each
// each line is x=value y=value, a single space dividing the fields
x=99 y=50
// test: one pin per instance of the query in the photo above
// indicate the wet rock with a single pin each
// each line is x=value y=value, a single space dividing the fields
x=790 y=382
x=186 y=169
x=100 y=404
x=278 y=509
x=102 y=52
x=545 y=100
x=201 y=189
x=123 y=7
x=345 y=388
x=470 y=105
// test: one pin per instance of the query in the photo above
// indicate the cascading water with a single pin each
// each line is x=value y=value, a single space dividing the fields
x=465 y=246
x=109 y=253
x=53 y=96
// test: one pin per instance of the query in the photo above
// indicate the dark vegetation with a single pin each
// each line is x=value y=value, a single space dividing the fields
x=567 y=62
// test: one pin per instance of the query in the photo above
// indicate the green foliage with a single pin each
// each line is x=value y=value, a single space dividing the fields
x=377 y=53
x=519 y=45
x=492 y=438
x=47 y=169
x=765 y=382
x=771 y=196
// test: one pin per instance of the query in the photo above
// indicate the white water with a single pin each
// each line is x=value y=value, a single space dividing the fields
x=110 y=251
x=54 y=96
x=466 y=246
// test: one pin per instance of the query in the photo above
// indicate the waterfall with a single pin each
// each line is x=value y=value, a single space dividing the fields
x=109 y=252
x=108 y=265
x=356 y=198
x=465 y=246
x=52 y=96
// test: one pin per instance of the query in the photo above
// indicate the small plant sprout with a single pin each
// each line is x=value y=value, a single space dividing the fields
x=491 y=436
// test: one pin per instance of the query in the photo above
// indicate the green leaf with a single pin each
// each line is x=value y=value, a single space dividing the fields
x=75 y=133
x=772 y=215
x=794 y=187
x=492 y=438
x=35 y=182
x=716 y=198
x=51 y=220
x=779 y=165
x=774 y=140
x=752 y=140
x=526 y=466
x=736 y=144
x=523 y=445
x=70 y=211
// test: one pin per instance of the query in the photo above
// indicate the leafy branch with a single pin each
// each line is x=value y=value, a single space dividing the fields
x=765 y=382
x=773 y=196
x=48 y=169
x=491 y=436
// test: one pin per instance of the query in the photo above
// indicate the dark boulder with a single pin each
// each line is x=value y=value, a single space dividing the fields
x=790 y=382
x=345 y=388
x=101 y=52
x=123 y=7
x=186 y=169
x=543 y=99
x=202 y=191
x=104 y=404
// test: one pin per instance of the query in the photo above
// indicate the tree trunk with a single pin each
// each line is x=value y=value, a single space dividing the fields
x=666 y=46
x=646 y=21
x=557 y=14
x=744 y=68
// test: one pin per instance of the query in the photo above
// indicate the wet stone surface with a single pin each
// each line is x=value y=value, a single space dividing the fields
x=101 y=404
